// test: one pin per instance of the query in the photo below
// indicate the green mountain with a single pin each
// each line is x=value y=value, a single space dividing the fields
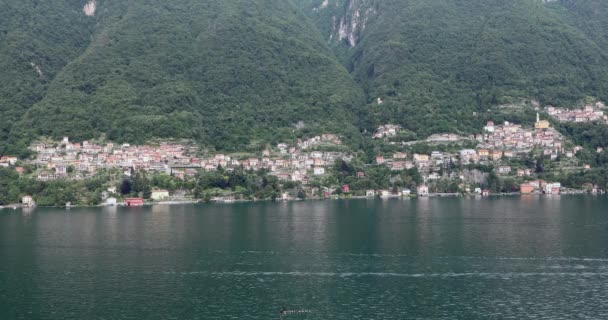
x=227 y=73
x=37 y=40
x=439 y=65
x=239 y=74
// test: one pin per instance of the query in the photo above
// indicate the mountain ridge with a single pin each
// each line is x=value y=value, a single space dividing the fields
x=247 y=73
x=439 y=65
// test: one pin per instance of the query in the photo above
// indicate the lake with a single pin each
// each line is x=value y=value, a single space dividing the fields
x=439 y=258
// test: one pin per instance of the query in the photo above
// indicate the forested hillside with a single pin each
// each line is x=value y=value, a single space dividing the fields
x=37 y=39
x=227 y=73
x=238 y=74
x=438 y=65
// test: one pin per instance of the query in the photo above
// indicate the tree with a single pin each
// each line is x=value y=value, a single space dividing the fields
x=540 y=164
x=125 y=187
x=147 y=192
x=493 y=182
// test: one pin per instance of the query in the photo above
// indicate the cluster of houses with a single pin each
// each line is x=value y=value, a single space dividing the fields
x=540 y=186
x=506 y=140
x=587 y=113
x=511 y=139
x=303 y=160
x=297 y=163
x=386 y=131
x=292 y=163
x=496 y=143
x=423 y=162
x=54 y=160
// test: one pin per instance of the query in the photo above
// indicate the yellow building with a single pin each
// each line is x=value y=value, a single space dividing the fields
x=541 y=124
x=484 y=152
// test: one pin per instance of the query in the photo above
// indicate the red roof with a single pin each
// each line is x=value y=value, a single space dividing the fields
x=134 y=202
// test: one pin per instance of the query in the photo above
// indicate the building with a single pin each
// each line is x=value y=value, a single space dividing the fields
x=400 y=155
x=541 y=124
x=385 y=194
x=11 y=160
x=504 y=169
x=526 y=188
x=61 y=170
x=553 y=188
x=319 y=171
x=423 y=191
x=159 y=194
x=134 y=202
x=485 y=192
x=370 y=193
x=496 y=155
x=111 y=201
x=489 y=126
x=346 y=188
x=28 y=201
x=421 y=157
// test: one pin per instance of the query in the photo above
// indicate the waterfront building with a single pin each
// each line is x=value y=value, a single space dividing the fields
x=111 y=201
x=28 y=201
x=159 y=194
x=134 y=202
x=423 y=191
x=526 y=188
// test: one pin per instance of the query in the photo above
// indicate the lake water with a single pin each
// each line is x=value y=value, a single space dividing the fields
x=456 y=258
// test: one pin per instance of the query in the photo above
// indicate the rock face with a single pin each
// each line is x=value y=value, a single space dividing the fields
x=349 y=19
x=353 y=22
x=90 y=8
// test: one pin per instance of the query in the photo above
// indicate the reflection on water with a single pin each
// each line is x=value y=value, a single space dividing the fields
x=431 y=258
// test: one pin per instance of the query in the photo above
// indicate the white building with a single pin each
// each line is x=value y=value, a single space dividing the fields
x=159 y=194
x=423 y=191
x=319 y=171
x=111 y=201
x=28 y=201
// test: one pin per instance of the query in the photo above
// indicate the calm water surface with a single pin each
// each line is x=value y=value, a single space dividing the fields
x=498 y=258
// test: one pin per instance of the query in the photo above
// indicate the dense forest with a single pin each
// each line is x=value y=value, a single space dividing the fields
x=439 y=65
x=240 y=74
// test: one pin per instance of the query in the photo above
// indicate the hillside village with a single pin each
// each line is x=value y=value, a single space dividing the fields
x=587 y=113
x=64 y=159
x=500 y=147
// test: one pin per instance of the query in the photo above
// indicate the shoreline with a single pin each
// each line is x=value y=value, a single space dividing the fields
x=184 y=202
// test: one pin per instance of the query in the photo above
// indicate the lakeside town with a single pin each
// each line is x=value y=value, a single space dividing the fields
x=508 y=152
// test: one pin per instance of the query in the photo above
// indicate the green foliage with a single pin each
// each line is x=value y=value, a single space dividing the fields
x=237 y=75
x=245 y=183
x=591 y=135
x=34 y=35
x=440 y=65
x=50 y=193
x=226 y=73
